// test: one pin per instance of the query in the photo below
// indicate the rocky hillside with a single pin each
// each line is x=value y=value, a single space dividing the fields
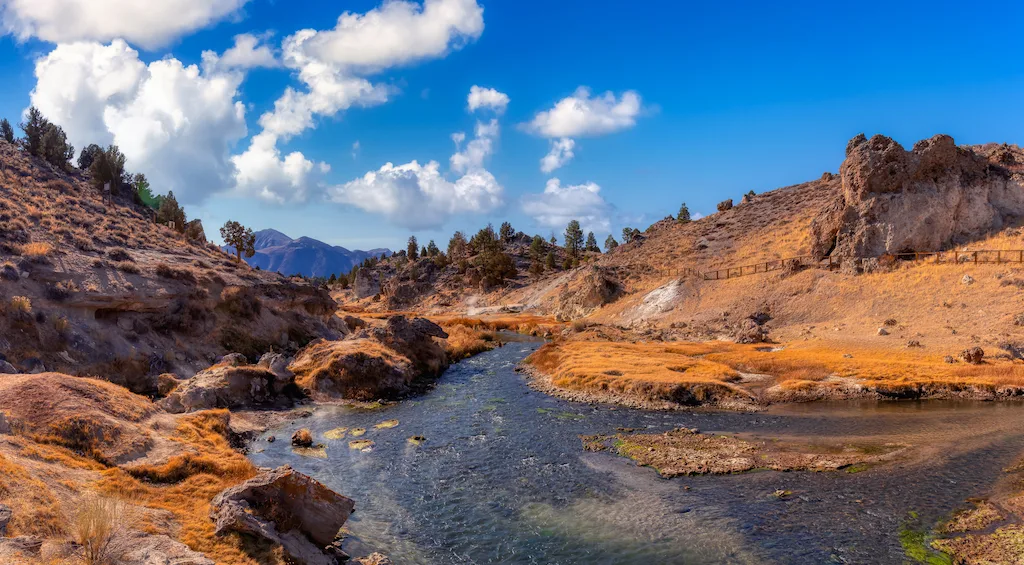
x=92 y=286
x=304 y=256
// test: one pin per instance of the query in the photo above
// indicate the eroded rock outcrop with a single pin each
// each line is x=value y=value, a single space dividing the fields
x=926 y=199
x=287 y=508
x=375 y=363
x=367 y=283
x=231 y=385
x=591 y=291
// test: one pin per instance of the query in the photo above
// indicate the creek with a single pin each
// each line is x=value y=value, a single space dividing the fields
x=501 y=477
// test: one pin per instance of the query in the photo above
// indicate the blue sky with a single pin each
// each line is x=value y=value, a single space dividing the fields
x=734 y=96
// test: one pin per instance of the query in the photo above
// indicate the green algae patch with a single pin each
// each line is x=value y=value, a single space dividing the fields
x=917 y=546
x=356 y=432
x=335 y=434
x=416 y=440
x=360 y=444
x=387 y=424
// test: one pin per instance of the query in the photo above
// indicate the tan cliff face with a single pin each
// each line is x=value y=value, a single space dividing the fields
x=936 y=195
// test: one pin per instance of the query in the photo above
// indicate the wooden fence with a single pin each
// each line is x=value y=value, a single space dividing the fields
x=985 y=256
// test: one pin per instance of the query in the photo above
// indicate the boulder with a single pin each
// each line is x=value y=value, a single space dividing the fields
x=5 y=426
x=586 y=294
x=287 y=508
x=380 y=362
x=367 y=283
x=32 y=366
x=8 y=369
x=973 y=355
x=228 y=386
x=302 y=438
x=892 y=200
x=277 y=364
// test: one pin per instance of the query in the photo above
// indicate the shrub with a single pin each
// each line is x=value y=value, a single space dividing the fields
x=36 y=251
x=127 y=267
x=21 y=305
x=240 y=302
x=119 y=255
x=61 y=290
x=9 y=271
x=725 y=205
x=99 y=526
x=166 y=271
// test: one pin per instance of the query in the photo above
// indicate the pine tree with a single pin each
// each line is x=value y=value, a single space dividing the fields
x=592 y=243
x=684 y=214
x=34 y=128
x=550 y=262
x=432 y=249
x=573 y=240
x=610 y=243
x=6 y=131
x=412 y=249
x=627 y=235
x=238 y=236
x=171 y=212
x=553 y=240
x=536 y=252
x=88 y=155
x=458 y=247
x=506 y=232
x=108 y=167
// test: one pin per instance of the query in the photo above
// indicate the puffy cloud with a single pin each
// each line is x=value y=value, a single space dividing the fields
x=487 y=98
x=172 y=122
x=332 y=66
x=262 y=172
x=581 y=115
x=248 y=52
x=558 y=204
x=417 y=196
x=477 y=150
x=147 y=24
x=560 y=154
x=396 y=33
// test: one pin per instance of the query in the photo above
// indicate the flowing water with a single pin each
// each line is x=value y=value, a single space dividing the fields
x=502 y=478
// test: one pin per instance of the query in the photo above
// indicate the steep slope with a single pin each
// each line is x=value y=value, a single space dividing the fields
x=92 y=286
x=305 y=256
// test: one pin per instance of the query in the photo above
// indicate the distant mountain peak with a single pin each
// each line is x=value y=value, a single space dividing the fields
x=276 y=251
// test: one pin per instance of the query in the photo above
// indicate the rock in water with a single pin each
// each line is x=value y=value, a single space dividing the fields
x=302 y=438
x=288 y=508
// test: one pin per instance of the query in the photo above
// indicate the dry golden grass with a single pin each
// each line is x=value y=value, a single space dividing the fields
x=637 y=367
x=647 y=371
x=36 y=250
x=185 y=485
x=464 y=342
x=35 y=509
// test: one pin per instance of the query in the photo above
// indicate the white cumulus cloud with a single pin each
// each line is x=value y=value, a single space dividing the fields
x=480 y=97
x=560 y=154
x=333 y=65
x=248 y=52
x=397 y=33
x=478 y=149
x=417 y=196
x=149 y=24
x=174 y=123
x=583 y=115
x=263 y=172
x=558 y=205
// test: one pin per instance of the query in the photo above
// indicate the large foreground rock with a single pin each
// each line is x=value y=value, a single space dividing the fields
x=374 y=363
x=938 y=194
x=227 y=385
x=288 y=508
